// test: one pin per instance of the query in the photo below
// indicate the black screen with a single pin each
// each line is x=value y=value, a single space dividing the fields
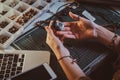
x=38 y=73
x=102 y=2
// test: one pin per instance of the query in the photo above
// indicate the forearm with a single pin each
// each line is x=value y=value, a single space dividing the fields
x=72 y=70
x=105 y=37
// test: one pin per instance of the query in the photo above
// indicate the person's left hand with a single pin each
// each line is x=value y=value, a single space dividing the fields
x=52 y=40
x=55 y=43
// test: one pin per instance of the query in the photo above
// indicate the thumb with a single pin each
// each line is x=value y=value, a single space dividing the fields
x=74 y=16
x=46 y=28
x=49 y=30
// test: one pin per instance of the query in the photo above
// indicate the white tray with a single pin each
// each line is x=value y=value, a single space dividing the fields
x=10 y=12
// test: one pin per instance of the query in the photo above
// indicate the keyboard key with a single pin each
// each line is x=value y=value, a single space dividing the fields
x=4 y=63
x=14 y=65
x=10 y=58
x=13 y=69
x=6 y=55
x=16 y=56
x=21 y=64
x=5 y=59
x=21 y=60
x=18 y=72
x=6 y=75
x=23 y=56
x=7 y=71
x=12 y=73
x=9 y=55
x=15 y=60
x=3 y=67
x=8 y=66
x=2 y=72
x=1 y=56
x=19 y=68
x=1 y=76
x=9 y=62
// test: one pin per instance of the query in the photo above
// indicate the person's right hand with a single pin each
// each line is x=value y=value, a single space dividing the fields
x=81 y=29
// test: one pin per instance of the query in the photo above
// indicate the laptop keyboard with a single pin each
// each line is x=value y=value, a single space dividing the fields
x=32 y=41
x=10 y=65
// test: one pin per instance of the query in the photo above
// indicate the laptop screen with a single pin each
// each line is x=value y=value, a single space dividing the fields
x=102 y=2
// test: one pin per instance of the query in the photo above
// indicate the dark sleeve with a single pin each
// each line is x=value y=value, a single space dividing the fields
x=117 y=49
x=84 y=78
x=116 y=75
x=117 y=62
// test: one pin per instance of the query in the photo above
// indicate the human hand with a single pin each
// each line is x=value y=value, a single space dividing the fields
x=81 y=29
x=51 y=39
x=54 y=42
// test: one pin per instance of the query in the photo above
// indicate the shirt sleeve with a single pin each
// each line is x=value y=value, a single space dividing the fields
x=118 y=48
x=84 y=78
x=116 y=75
x=117 y=62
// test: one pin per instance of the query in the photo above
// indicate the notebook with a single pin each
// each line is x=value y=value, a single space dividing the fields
x=17 y=61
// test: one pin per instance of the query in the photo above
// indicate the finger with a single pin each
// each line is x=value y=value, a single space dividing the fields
x=46 y=28
x=63 y=32
x=68 y=24
x=69 y=36
x=51 y=24
x=49 y=30
x=66 y=37
x=74 y=16
x=66 y=29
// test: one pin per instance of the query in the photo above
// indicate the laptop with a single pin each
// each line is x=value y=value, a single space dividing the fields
x=13 y=62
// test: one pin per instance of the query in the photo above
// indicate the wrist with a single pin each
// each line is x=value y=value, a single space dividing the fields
x=95 y=30
x=60 y=51
x=103 y=35
x=65 y=57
